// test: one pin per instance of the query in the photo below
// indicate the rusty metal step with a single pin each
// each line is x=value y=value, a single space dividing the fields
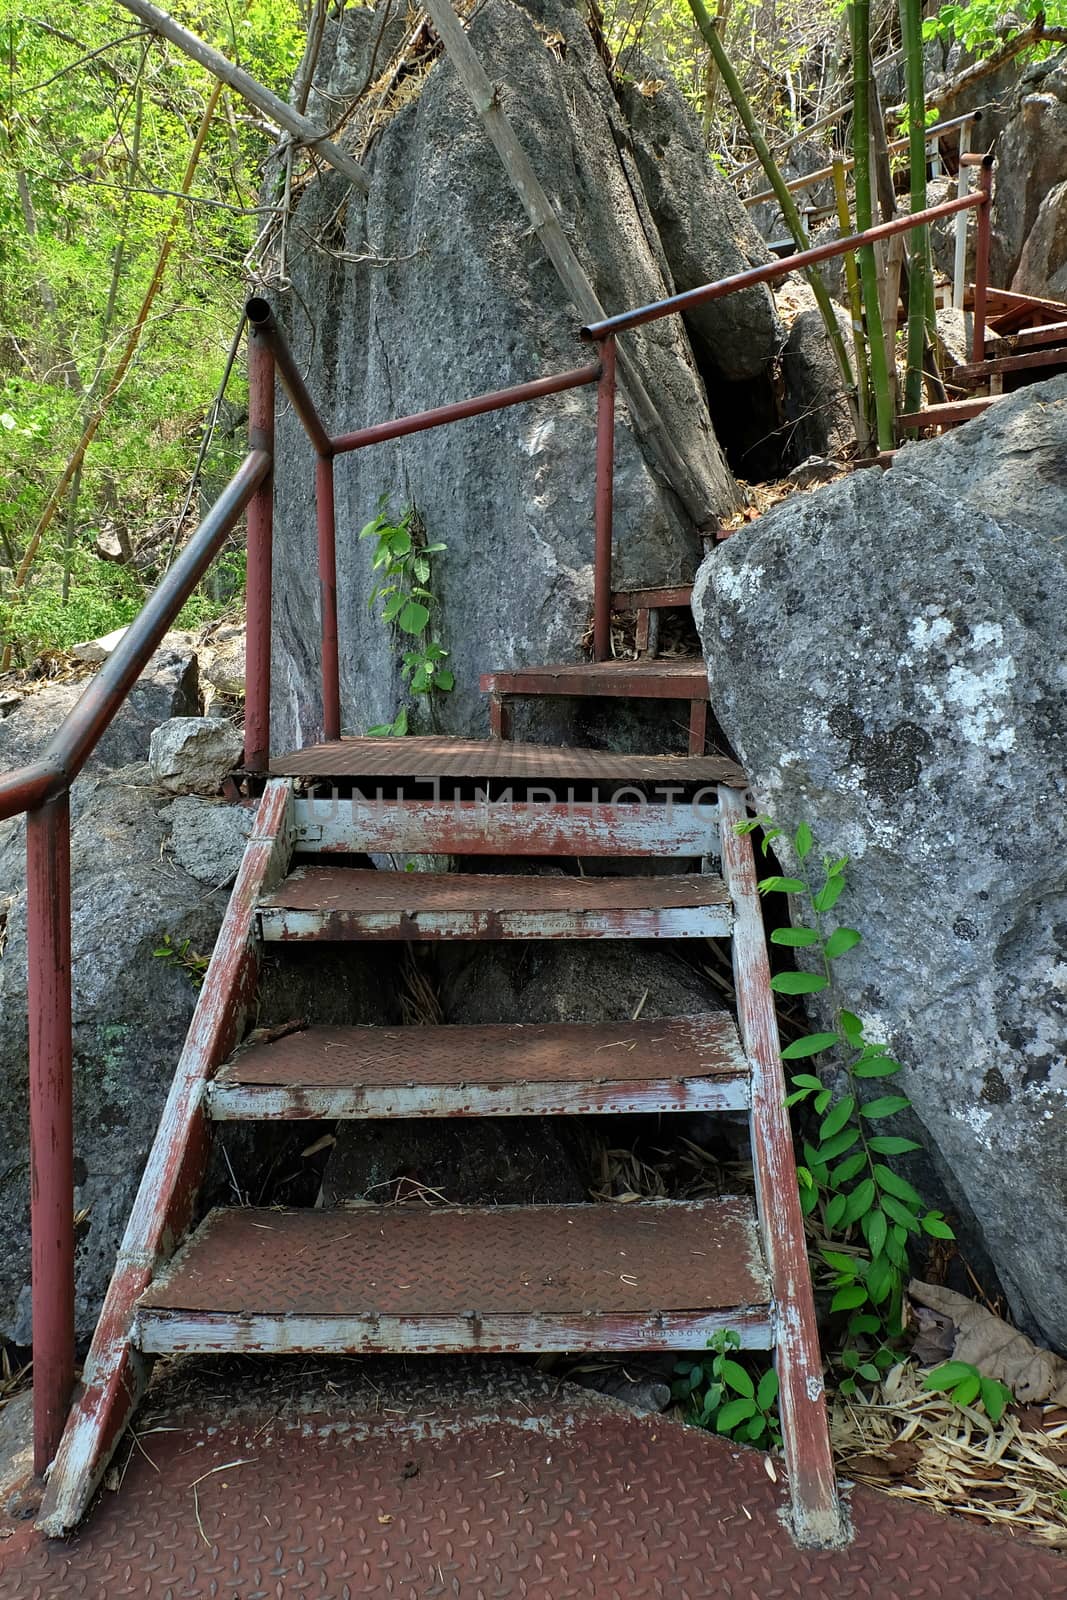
x=652 y=1275
x=356 y=903
x=429 y=758
x=692 y=1063
x=656 y=679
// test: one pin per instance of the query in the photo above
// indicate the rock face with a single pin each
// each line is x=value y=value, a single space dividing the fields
x=131 y=1013
x=451 y=294
x=886 y=656
x=1031 y=161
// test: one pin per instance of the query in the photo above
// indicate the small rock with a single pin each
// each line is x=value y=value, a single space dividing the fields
x=207 y=838
x=816 y=469
x=642 y=1394
x=113 y=545
x=192 y=755
x=98 y=649
x=224 y=668
x=9 y=699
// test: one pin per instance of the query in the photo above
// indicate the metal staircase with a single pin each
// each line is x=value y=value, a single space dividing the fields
x=662 y=1275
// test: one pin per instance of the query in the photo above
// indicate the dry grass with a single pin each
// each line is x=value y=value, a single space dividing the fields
x=921 y=1447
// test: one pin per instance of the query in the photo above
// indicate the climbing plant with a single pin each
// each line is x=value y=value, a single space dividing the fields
x=403 y=561
x=868 y=1213
x=720 y=1394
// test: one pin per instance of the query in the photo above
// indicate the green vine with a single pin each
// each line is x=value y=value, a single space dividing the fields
x=719 y=1394
x=867 y=1212
x=403 y=560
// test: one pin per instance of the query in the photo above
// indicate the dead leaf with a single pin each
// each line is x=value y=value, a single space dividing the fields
x=998 y=1351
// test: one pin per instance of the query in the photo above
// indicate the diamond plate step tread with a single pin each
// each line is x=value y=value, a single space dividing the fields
x=418 y=1490
x=657 y=1273
x=660 y=1064
x=329 y=902
x=427 y=758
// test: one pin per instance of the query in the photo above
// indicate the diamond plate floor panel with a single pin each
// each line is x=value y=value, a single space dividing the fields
x=428 y=757
x=473 y=1494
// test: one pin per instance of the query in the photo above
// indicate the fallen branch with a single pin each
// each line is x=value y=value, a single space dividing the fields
x=264 y=100
x=1035 y=34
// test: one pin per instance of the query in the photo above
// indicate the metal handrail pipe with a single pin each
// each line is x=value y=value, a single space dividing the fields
x=379 y=432
x=262 y=320
x=78 y=734
x=809 y=179
x=678 y=304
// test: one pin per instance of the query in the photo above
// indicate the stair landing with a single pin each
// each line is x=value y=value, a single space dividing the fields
x=431 y=1479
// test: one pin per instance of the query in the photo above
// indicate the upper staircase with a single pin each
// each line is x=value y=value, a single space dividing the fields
x=653 y=1275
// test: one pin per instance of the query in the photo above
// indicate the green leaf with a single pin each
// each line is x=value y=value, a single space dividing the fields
x=838 y=1260
x=835 y=868
x=875 y=1231
x=867 y=1323
x=875 y=1066
x=809 y=1199
x=446 y=680
x=414 y=617
x=995 y=1396
x=776 y=884
x=799 y=983
x=805 y=1080
x=809 y=1045
x=837 y=1145
x=846 y=1299
x=860 y=1200
x=733 y=1412
x=828 y=895
x=767 y=1393
x=888 y=1106
x=891 y=1144
x=966 y=1393
x=732 y=1373
x=400 y=724
x=936 y=1227
x=848 y=1168
x=851 y=1027
x=822 y=1100
x=892 y=1183
x=900 y=1213
x=393 y=607
x=399 y=542
x=835 y=1210
x=870 y=1372
x=803 y=841
x=948 y=1375
x=881 y=1276
x=840 y=940
x=835 y=1121
x=795 y=938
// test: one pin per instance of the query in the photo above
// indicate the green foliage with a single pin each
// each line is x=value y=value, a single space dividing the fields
x=184 y=958
x=966 y=1386
x=979 y=25
x=403 y=560
x=722 y=1395
x=868 y=1213
x=96 y=124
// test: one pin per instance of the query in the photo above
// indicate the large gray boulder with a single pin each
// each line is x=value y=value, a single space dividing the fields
x=1031 y=161
x=886 y=656
x=130 y=899
x=435 y=287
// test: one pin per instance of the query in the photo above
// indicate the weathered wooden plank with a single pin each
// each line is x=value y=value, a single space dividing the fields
x=357 y=824
x=214 y=1333
x=253 y=1102
x=1047 y=356
x=278 y=923
x=805 y=1433
x=115 y=1374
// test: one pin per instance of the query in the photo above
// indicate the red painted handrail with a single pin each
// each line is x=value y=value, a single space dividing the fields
x=42 y=789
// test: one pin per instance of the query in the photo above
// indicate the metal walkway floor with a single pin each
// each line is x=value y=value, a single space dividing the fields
x=434 y=1480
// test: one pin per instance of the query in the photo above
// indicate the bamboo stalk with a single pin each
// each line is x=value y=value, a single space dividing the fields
x=911 y=31
x=732 y=83
x=55 y=499
x=860 y=20
x=546 y=226
x=286 y=116
x=855 y=305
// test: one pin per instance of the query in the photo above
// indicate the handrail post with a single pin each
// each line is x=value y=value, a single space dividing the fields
x=51 y=1121
x=981 y=258
x=605 y=476
x=331 y=672
x=260 y=540
x=959 y=259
